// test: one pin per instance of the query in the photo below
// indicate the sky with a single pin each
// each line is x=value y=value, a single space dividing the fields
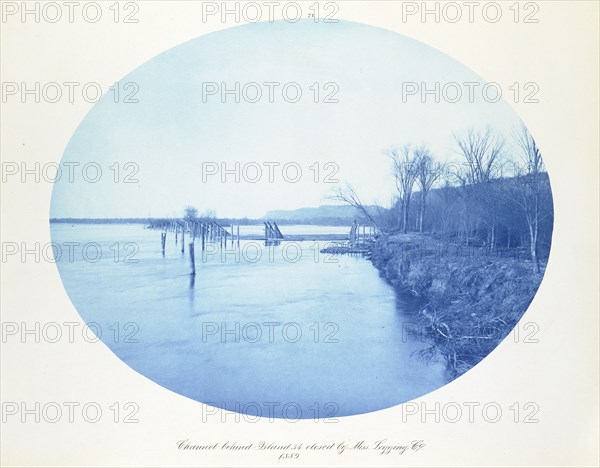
x=179 y=138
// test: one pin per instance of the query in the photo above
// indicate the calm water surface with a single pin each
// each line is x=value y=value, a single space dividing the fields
x=284 y=325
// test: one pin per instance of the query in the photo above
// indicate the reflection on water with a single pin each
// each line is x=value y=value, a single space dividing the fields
x=257 y=325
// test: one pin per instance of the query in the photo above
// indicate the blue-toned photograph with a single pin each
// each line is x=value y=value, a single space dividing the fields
x=303 y=220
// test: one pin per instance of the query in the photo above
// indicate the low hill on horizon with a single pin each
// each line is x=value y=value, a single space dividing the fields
x=333 y=212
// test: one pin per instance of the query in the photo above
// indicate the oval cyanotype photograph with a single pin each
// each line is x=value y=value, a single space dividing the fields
x=303 y=220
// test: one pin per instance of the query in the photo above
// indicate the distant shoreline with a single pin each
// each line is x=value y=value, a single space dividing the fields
x=224 y=221
x=99 y=220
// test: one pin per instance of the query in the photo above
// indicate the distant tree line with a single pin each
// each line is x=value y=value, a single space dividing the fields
x=100 y=220
x=316 y=221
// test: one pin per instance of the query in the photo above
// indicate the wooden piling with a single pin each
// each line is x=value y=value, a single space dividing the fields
x=271 y=234
x=278 y=233
x=163 y=240
x=182 y=239
x=192 y=260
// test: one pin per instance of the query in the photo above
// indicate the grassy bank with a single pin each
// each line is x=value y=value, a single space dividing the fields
x=469 y=300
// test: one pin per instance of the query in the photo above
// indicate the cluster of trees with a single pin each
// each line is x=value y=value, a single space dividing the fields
x=191 y=213
x=497 y=195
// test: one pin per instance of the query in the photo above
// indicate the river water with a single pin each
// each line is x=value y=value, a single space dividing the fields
x=277 y=331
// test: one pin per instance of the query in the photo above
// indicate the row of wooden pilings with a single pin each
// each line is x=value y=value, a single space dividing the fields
x=358 y=242
x=206 y=231
x=272 y=231
x=368 y=231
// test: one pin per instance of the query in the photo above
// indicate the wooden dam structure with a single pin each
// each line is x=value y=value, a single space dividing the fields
x=272 y=231
x=358 y=241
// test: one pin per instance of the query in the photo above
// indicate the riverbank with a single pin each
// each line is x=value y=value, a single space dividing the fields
x=468 y=299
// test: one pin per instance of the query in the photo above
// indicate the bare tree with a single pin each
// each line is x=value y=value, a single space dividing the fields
x=428 y=172
x=405 y=171
x=348 y=195
x=190 y=213
x=532 y=188
x=482 y=152
x=208 y=214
